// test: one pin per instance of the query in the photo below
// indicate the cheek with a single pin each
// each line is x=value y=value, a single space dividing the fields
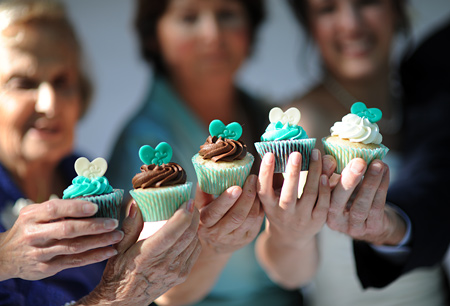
x=175 y=46
x=239 y=43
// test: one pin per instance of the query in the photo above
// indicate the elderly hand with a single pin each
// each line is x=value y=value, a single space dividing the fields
x=46 y=238
x=358 y=205
x=230 y=221
x=144 y=270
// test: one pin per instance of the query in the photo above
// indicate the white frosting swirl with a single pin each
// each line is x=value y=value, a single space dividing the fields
x=357 y=129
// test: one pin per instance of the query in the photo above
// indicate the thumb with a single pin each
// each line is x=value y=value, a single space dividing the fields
x=132 y=227
x=202 y=198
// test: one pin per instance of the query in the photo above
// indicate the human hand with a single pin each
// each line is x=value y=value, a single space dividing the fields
x=144 y=270
x=230 y=221
x=295 y=221
x=46 y=239
x=358 y=205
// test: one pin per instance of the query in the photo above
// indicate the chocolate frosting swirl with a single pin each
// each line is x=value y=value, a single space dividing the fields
x=222 y=149
x=159 y=176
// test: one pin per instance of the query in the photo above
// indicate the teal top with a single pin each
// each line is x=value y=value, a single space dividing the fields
x=83 y=186
x=278 y=131
x=164 y=117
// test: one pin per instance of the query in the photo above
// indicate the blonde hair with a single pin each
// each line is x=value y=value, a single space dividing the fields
x=24 y=12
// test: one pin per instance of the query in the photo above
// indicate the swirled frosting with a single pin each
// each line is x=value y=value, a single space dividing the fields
x=222 y=149
x=83 y=186
x=279 y=131
x=159 y=176
x=357 y=129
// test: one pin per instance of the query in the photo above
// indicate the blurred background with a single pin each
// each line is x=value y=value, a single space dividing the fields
x=121 y=78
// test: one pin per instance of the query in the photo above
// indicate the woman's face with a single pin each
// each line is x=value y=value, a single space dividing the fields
x=39 y=93
x=204 y=39
x=354 y=36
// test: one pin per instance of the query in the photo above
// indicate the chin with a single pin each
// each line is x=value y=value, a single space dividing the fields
x=45 y=153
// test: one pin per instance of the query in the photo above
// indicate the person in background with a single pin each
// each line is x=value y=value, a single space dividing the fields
x=380 y=240
x=196 y=48
x=51 y=253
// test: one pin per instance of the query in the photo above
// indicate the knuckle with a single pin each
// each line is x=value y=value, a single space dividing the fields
x=74 y=247
x=52 y=208
x=236 y=218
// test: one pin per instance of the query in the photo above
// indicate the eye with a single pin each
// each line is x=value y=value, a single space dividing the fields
x=189 y=18
x=21 y=83
x=61 y=82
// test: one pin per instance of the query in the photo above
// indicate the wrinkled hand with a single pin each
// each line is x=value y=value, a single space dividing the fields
x=230 y=221
x=358 y=205
x=295 y=220
x=144 y=270
x=46 y=239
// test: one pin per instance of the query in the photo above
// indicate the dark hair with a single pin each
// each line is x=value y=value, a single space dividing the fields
x=300 y=8
x=149 y=12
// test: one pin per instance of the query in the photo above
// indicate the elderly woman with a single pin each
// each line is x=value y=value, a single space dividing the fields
x=43 y=93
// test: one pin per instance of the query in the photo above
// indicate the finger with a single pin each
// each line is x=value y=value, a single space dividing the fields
x=320 y=211
x=265 y=181
x=79 y=245
x=350 y=178
x=362 y=203
x=57 y=209
x=328 y=165
x=238 y=213
x=186 y=217
x=216 y=210
x=289 y=191
x=252 y=224
x=377 y=212
x=70 y=228
x=311 y=189
x=202 y=198
x=191 y=259
x=132 y=227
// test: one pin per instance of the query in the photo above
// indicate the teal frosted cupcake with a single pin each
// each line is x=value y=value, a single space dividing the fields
x=92 y=186
x=357 y=135
x=160 y=188
x=284 y=136
x=223 y=160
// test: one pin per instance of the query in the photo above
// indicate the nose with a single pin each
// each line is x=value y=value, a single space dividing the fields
x=350 y=19
x=46 y=100
x=210 y=29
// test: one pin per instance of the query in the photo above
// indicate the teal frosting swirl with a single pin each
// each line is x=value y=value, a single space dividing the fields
x=278 y=131
x=83 y=186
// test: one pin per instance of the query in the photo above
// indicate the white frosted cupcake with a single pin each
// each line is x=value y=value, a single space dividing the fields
x=223 y=160
x=357 y=135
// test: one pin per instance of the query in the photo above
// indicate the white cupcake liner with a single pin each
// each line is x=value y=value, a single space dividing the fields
x=109 y=205
x=283 y=148
x=344 y=154
x=217 y=180
x=157 y=204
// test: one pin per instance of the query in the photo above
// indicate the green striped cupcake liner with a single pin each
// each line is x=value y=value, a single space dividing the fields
x=217 y=180
x=157 y=204
x=344 y=154
x=109 y=205
x=283 y=148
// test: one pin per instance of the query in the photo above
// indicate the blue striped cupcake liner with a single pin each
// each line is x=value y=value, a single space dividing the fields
x=217 y=180
x=109 y=205
x=157 y=204
x=344 y=154
x=283 y=148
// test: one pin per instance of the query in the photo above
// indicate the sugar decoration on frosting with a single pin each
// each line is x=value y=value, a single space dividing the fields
x=361 y=110
x=158 y=156
x=291 y=116
x=231 y=131
x=93 y=169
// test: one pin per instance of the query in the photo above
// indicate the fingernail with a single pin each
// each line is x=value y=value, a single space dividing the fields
x=110 y=223
x=375 y=168
x=327 y=163
x=133 y=210
x=294 y=158
x=235 y=192
x=190 y=206
x=111 y=253
x=315 y=155
x=90 y=208
x=117 y=235
x=269 y=159
x=357 y=167
x=324 y=180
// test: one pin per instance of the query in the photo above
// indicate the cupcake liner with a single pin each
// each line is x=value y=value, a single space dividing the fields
x=217 y=180
x=157 y=204
x=109 y=205
x=283 y=148
x=344 y=154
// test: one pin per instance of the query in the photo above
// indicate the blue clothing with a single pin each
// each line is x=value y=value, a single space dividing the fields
x=65 y=286
x=164 y=117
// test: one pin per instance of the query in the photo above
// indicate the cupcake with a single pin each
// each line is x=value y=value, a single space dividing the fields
x=357 y=135
x=223 y=160
x=92 y=186
x=160 y=188
x=284 y=136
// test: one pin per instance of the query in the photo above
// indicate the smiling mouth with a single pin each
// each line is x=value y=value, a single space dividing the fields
x=356 y=48
x=45 y=129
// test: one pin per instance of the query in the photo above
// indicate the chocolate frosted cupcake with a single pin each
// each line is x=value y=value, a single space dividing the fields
x=92 y=186
x=223 y=160
x=160 y=188
x=284 y=136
